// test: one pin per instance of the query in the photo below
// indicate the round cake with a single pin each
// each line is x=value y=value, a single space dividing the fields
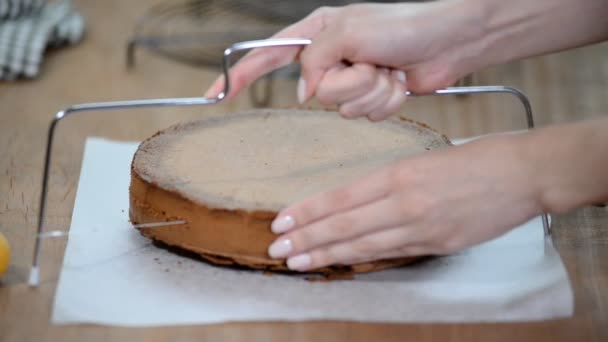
x=227 y=177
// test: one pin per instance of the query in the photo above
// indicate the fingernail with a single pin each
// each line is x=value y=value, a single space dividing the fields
x=280 y=248
x=301 y=90
x=401 y=76
x=282 y=224
x=299 y=262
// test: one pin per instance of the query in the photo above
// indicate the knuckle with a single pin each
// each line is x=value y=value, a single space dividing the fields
x=348 y=113
x=322 y=16
x=321 y=258
x=376 y=116
x=430 y=79
x=273 y=58
x=306 y=57
x=367 y=77
x=364 y=247
x=414 y=206
x=379 y=115
x=306 y=213
x=341 y=226
x=324 y=97
x=322 y=12
x=340 y=197
x=416 y=210
x=301 y=240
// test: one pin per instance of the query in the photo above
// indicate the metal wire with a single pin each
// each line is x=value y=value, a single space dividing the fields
x=193 y=101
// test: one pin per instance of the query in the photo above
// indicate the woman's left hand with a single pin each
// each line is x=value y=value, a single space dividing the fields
x=432 y=204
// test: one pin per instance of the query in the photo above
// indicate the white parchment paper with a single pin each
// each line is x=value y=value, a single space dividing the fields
x=111 y=275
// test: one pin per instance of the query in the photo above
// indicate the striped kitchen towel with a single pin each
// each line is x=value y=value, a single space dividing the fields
x=28 y=28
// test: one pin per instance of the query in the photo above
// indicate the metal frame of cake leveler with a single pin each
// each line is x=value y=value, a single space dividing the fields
x=101 y=106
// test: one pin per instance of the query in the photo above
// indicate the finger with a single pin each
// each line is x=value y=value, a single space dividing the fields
x=399 y=76
x=216 y=88
x=362 y=248
x=343 y=226
x=325 y=52
x=393 y=104
x=343 y=84
x=261 y=61
x=252 y=66
x=368 y=189
x=371 y=101
x=401 y=252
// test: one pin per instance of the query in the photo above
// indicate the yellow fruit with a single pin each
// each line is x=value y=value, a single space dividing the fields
x=5 y=254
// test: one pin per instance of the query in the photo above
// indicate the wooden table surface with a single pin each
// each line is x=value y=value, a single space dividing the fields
x=563 y=87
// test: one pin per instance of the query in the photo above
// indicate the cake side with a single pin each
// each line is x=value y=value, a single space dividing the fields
x=220 y=236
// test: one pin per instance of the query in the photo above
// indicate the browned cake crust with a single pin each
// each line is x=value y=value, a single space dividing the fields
x=146 y=201
x=222 y=236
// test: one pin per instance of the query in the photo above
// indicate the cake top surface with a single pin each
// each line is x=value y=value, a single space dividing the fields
x=268 y=159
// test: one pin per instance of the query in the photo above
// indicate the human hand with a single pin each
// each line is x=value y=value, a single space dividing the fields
x=432 y=204
x=360 y=54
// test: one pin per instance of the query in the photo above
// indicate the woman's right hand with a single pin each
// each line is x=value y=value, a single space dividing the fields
x=360 y=55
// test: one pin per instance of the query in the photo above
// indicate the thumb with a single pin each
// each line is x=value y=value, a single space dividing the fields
x=323 y=54
x=216 y=88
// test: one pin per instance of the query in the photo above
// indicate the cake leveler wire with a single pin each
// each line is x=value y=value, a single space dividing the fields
x=34 y=277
